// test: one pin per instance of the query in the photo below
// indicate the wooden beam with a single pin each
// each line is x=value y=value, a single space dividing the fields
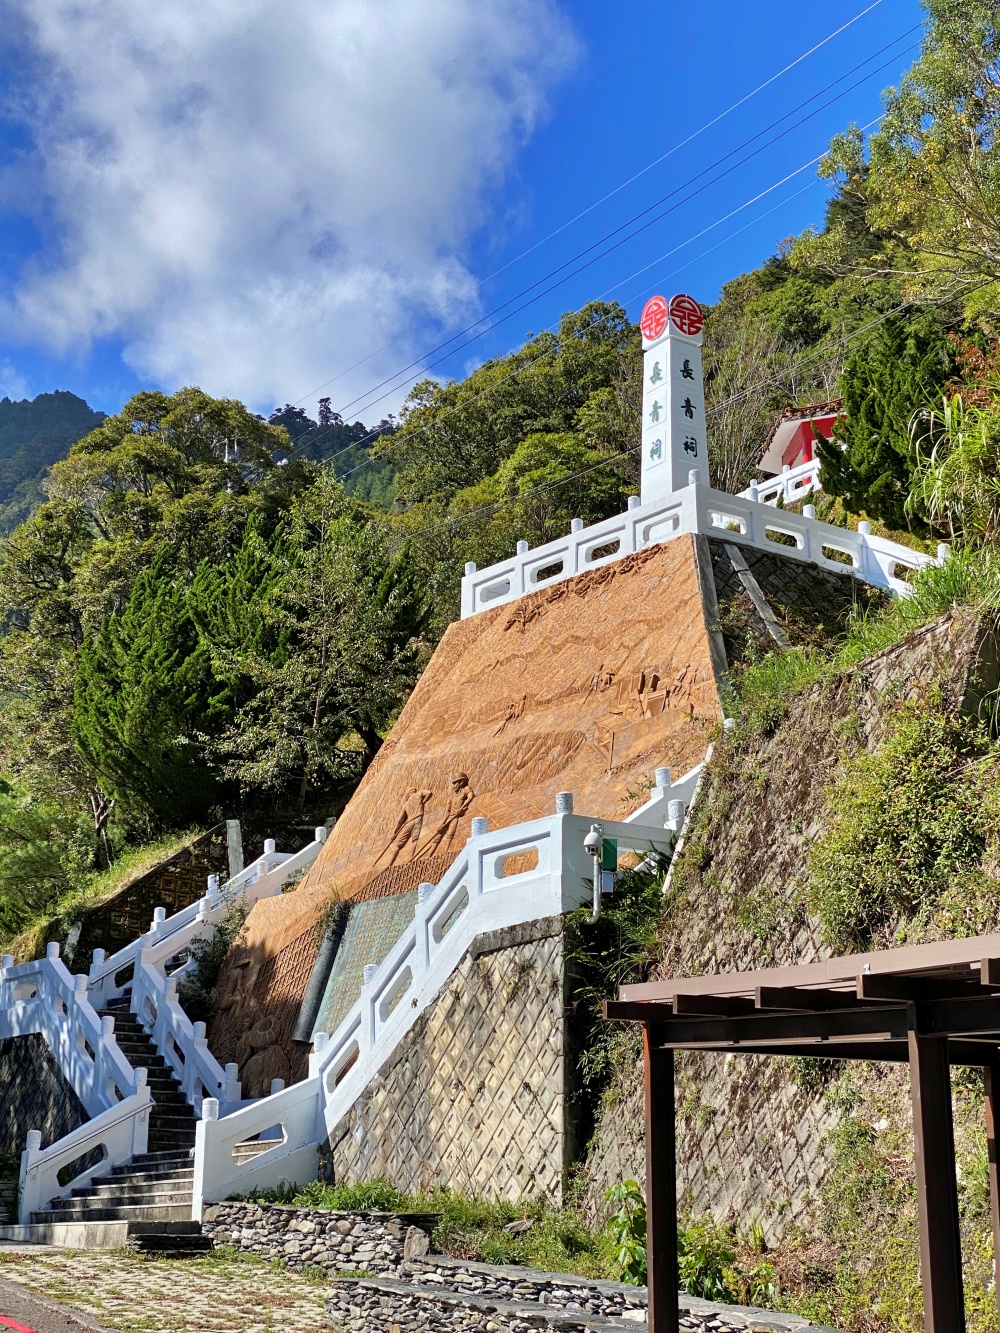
x=991 y=1078
x=797 y=998
x=724 y=1006
x=965 y=953
x=915 y=990
x=937 y=1192
x=989 y=972
x=661 y=1186
x=765 y=1028
x=643 y=1013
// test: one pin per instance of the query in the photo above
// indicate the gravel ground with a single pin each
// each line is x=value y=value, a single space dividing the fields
x=217 y=1293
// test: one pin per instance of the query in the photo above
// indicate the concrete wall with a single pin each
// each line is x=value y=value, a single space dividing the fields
x=479 y=1096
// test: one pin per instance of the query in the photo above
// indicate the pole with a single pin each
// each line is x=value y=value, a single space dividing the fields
x=992 y=1081
x=661 y=1185
x=937 y=1192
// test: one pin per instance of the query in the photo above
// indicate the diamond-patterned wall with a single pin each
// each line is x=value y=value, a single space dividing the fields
x=475 y=1097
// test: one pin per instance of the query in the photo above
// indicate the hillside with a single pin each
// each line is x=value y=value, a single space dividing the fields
x=860 y=811
x=34 y=434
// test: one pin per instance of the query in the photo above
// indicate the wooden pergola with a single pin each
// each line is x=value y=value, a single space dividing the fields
x=931 y=1006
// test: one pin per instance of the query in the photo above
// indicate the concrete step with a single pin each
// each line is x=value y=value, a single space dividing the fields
x=69 y=1235
x=144 y=1177
x=177 y=1212
x=125 y=1191
x=145 y=1161
x=170 y=1246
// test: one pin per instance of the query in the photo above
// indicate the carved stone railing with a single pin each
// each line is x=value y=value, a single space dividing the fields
x=698 y=509
x=42 y=997
x=486 y=889
x=151 y=969
x=789 y=486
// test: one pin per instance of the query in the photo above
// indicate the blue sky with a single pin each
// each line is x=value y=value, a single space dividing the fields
x=255 y=196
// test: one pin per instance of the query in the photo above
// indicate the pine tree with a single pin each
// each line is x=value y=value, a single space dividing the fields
x=900 y=371
x=145 y=703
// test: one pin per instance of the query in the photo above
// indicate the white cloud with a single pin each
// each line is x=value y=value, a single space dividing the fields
x=12 y=382
x=254 y=193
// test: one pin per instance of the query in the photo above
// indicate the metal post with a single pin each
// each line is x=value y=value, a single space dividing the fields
x=661 y=1185
x=937 y=1192
x=991 y=1078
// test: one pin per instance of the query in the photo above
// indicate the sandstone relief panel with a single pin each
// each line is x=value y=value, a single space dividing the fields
x=585 y=687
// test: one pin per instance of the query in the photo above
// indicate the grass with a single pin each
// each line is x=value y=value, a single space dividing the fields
x=100 y=887
x=762 y=687
x=472 y=1228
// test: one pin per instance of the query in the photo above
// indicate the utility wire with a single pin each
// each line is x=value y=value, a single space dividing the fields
x=611 y=193
x=420 y=363
x=374 y=433
x=718 y=407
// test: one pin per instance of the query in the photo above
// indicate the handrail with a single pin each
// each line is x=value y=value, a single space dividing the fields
x=154 y=1001
x=120 y=1133
x=42 y=997
x=475 y=896
x=791 y=484
x=701 y=510
x=260 y=879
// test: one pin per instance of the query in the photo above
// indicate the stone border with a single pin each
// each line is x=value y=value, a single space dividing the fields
x=342 y=1242
x=360 y=1305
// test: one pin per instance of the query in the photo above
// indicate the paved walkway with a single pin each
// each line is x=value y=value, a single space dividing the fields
x=217 y=1293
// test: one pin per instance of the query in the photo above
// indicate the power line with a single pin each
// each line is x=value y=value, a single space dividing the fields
x=718 y=407
x=611 y=193
x=372 y=434
x=643 y=213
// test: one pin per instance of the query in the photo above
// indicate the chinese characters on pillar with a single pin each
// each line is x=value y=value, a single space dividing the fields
x=673 y=397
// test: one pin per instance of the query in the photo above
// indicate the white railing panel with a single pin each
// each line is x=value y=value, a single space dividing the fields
x=473 y=898
x=121 y=1132
x=751 y=517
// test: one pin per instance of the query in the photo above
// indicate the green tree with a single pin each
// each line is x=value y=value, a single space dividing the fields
x=44 y=854
x=934 y=178
x=454 y=435
x=899 y=371
x=145 y=703
x=346 y=617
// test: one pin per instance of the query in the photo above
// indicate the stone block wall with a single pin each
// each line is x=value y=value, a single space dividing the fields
x=478 y=1097
x=309 y=1237
x=35 y=1095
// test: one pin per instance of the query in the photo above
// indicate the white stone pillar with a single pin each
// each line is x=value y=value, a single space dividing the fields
x=674 y=438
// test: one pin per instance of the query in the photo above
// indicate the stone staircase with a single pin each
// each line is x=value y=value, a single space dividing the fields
x=153 y=1192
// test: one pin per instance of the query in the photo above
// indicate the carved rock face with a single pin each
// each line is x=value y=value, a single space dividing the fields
x=586 y=687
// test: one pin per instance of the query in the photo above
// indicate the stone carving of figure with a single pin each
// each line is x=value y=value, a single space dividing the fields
x=459 y=801
x=238 y=1007
x=408 y=826
x=268 y=1060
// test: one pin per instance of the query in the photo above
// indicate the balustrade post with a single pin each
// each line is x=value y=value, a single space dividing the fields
x=320 y=833
x=28 y=1178
x=233 y=1089
x=52 y=950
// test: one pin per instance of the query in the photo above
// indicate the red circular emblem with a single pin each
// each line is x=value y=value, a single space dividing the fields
x=654 y=318
x=685 y=312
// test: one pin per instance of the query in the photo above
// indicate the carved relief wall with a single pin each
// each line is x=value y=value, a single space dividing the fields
x=585 y=687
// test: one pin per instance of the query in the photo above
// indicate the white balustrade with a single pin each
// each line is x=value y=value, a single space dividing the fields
x=789 y=486
x=503 y=877
x=43 y=997
x=119 y=1133
x=699 y=509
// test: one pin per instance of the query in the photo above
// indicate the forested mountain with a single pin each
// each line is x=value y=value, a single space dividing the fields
x=34 y=433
